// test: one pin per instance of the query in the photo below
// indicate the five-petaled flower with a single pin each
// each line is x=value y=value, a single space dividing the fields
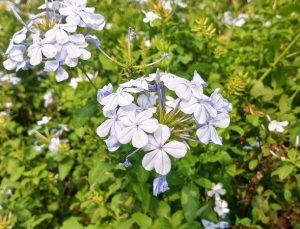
x=158 y=158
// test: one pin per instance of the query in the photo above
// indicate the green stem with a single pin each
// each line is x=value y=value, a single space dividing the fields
x=142 y=66
x=294 y=94
x=89 y=79
x=129 y=50
x=279 y=58
x=110 y=58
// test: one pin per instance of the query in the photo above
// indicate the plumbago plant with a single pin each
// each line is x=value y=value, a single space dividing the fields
x=150 y=146
x=143 y=112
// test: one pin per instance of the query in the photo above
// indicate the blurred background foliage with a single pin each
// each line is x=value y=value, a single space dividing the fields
x=83 y=185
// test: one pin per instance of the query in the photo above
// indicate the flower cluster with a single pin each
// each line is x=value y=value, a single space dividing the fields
x=51 y=140
x=52 y=37
x=145 y=113
x=221 y=207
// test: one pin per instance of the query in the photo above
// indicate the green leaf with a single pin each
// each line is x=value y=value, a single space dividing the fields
x=203 y=182
x=65 y=167
x=72 y=223
x=142 y=220
x=253 y=119
x=253 y=163
x=237 y=129
x=283 y=171
x=190 y=201
x=163 y=209
x=99 y=173
x=83 y=114
x=244 y=221
x=257 y=89
x=207 y=212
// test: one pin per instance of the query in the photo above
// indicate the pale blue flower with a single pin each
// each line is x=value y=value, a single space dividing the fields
x=207 y=132
x=112 y=143
x=160 y=185
x=211 y=225
x=105 y=91
x=126 y=163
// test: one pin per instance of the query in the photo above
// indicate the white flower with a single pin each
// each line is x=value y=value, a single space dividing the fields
x=276 y=126
x=147 y=43
x=221 y=207
x=119 y=98
x=209 y=225
x=56 y=66
x=160 y=185
x=150 y=17
x=105 y=91
x=59 y=33
x=172 y=103
x=158 y=158
x=185 y=89
x=8 y=105
x=166 y=4
x=77 y=13
x=44 y=121
x=112 y=143
x=48 y=99
x=74 y=82
x=114 y=123
x=207 y=132
x=217 y=190
x=239 y=21
x=9 y=78
x=219 y=103
x=72 y=49
x=15 y=58
x=136 y=127
x=54 y=145
x=38 y=49
x=140 y=84
x=201 y=108
x=147 y=102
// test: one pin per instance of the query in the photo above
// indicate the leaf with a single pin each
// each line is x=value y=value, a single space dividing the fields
x=237 y=129
x=203 y=182
x=163 y=209
x=253 y=163
x=99 y=173
x=65 y=167
x=253 y=119
x=207 y=212
x=72 y=223
x=287 y=9
x=283 y=171
x=257 y=89
x=190 y=201
x=142 y=220
x=244 y=221
x=284 y=103
x=83 y=114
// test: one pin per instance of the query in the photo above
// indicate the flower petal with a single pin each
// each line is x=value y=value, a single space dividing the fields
x=61 y=75
x=125 y=135
x=104 y=128
x=162 y=163
x=125 y=99
x=149 y=125
x=162 y=134
x=176 y=149
x=203 y=134
x=149 y=159
x=222 y=120
x=139 y=138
